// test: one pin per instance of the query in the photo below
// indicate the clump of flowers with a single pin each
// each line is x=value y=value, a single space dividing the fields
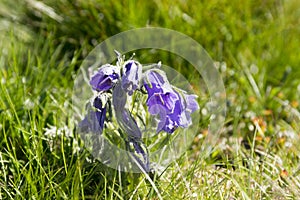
x=113 y=85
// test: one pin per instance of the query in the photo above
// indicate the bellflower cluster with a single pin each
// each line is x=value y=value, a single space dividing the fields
x=172 y=106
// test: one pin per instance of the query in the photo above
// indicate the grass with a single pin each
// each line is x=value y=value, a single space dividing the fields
x=255 y=46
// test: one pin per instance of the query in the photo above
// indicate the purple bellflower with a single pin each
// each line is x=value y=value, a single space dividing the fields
x=181 y=115
x=94 y=120
x=100 y=111
x=105 y=78
x=174 y=108
x=159 y=92
x=132 y=74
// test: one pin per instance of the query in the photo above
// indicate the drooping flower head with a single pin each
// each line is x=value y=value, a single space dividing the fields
x=94 y=120
x=132 y=74
x=100 y=111
x=105 y=78
x=159 y=91
x=173 y=107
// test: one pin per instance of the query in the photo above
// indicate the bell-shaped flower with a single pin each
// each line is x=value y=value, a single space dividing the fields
x=159 y=91
x=173 y=119
x=100 y=111
x=105 y=78
x=173 y=107
x=132 y=74
x=94 y=120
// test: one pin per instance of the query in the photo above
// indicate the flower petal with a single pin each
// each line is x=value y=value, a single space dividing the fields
x=191 y=102
x=165 y=100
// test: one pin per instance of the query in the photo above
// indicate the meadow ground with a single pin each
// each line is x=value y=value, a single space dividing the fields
x=255 y=46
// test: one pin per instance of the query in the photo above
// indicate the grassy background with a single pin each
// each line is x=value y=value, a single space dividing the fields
x=255 y=45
